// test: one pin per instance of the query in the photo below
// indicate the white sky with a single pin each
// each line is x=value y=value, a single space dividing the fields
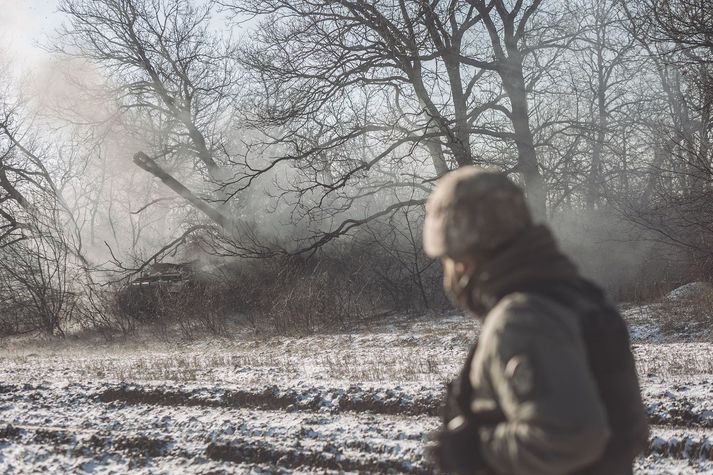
x=24 y=24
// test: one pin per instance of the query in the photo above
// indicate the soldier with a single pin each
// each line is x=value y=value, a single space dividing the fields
x=551 y=387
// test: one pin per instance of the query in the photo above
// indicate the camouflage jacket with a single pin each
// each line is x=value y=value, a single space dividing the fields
x=532 y=366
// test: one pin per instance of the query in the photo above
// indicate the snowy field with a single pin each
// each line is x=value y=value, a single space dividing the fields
x=358 y=402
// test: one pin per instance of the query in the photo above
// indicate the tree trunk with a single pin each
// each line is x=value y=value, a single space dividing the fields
x=595 y=171
x=662 y=153
x=514 y=85
x=435 y=149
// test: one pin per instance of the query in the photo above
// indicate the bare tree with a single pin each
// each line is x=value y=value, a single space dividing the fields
x=399 y=239
x=610 y=66
x=23 y=174
x=174 y=81
x=37 y=291
x=685 y=24
x=676 y=204
x=591 y=97
x=366 y=98
x=516 y=33
x=38 y=239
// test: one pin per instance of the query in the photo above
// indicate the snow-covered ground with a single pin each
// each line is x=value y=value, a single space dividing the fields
x=362 y=401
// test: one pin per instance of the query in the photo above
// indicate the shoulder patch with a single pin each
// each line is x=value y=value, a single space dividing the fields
x=521 y=376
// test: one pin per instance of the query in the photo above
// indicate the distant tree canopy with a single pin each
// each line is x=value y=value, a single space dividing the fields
x=358 y=88
x=254 y=128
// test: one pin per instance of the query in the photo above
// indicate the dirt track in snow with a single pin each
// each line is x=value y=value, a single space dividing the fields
x=95 y=428
x=101 y=427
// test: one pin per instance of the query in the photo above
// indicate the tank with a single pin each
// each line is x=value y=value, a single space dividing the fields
x=142 y=297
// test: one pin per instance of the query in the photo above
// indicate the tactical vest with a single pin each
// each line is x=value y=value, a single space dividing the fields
x=611 y=361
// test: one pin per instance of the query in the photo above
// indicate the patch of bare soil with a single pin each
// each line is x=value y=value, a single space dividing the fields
x=79 y=441
x=9 y=432
x=53 y=437
x=330 y=458
x=139 y=447
x=142 y=445
x=680 y=415
x=354 y=399
x=680 y=412
x=684 y=448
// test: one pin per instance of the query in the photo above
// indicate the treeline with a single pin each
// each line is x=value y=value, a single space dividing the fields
x=247 y=134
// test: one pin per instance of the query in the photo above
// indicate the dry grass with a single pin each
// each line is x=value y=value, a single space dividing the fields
x=674 y=359
x=400 y=364
x=422 y=351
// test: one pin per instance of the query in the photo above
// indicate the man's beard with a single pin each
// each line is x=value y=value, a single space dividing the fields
x=459 y=290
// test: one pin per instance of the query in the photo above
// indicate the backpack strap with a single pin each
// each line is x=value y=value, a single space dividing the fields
x=460 y=394
x=459 y=391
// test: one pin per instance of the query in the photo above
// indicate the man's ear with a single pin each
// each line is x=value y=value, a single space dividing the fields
x=464 y=266
x=460 y=267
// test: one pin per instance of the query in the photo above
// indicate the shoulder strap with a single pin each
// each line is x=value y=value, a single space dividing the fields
x=461 y=394
x=464 y=395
